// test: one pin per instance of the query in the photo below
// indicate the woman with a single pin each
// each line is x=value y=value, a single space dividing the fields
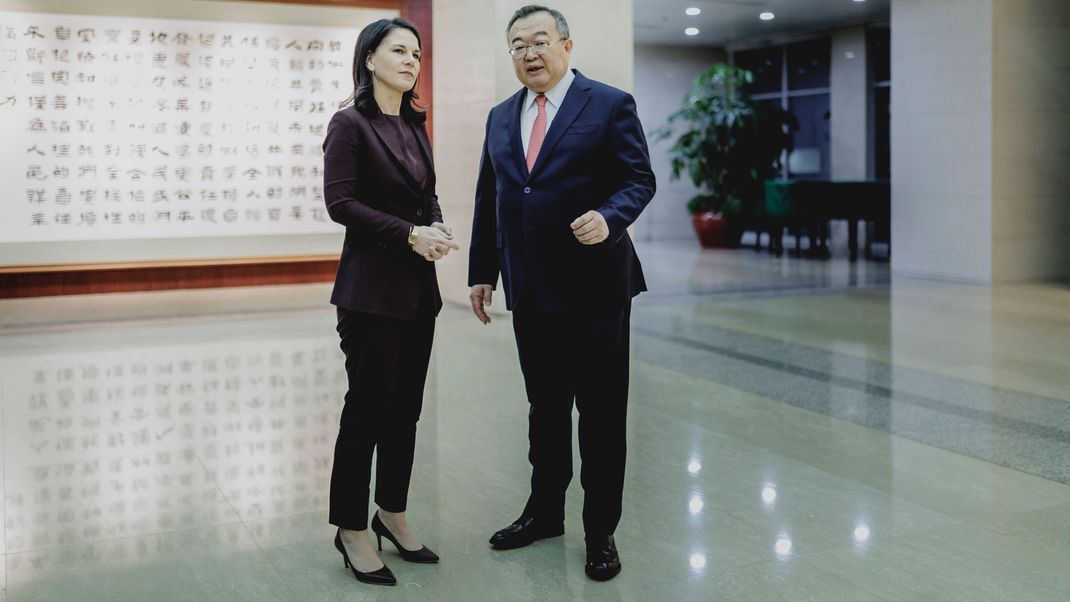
x=379 y=182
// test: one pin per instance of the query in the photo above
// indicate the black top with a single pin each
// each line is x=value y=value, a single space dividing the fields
x=401 y=138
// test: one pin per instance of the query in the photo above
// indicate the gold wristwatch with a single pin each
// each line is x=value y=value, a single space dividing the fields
x=414 y=234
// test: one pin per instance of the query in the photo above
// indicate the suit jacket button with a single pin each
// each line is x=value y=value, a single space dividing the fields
x=527 y=190
x=419 y=212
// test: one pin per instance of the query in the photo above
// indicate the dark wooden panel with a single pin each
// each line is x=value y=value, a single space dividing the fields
x=419 y=13
x=80 y=281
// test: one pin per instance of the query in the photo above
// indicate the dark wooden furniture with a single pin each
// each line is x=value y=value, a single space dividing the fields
x=809 y=205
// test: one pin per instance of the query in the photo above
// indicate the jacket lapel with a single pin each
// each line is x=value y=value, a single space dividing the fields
x=516 y=145
x=378 y=126
x=579 y=93
x=425 y=148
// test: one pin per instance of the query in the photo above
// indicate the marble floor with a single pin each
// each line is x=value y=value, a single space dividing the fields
x=798 y=430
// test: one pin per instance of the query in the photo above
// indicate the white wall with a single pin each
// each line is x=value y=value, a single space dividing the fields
x=1031 y=140
x=981 y=139
x=942 y=138
x=473 y=72
x=663 y=75
x=849 y=104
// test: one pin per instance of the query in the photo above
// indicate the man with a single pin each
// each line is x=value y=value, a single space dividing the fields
x=565 y=171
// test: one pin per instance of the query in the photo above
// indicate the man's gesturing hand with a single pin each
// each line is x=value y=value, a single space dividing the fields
x=590 y=228
x=480 y=297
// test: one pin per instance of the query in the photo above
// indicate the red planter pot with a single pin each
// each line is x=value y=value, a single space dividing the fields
x=714 y=231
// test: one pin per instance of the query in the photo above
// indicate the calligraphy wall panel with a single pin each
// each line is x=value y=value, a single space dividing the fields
x=168 y=134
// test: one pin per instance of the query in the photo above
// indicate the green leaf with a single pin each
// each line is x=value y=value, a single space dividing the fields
x=726 y=143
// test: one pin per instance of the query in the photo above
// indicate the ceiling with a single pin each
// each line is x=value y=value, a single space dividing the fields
x=724 y=21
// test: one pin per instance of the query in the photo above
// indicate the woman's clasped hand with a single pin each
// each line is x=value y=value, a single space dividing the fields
x=433 y=242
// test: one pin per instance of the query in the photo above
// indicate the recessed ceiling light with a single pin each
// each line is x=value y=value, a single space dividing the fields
x=691 y=12
x=691 y=31
x=767 y=16
x=860 y=0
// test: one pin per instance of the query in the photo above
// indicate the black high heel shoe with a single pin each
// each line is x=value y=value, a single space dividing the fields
x=423 y=555
x=381 y=576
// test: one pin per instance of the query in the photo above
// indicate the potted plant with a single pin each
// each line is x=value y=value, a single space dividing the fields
x=729 y=146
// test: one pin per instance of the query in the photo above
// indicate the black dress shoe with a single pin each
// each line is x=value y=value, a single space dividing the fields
x=423 y=555
x=381 y=576
x=524 y=531
x=603 y=562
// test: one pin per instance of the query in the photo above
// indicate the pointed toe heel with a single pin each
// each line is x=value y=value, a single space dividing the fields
x=422 y=556
x=381 y=576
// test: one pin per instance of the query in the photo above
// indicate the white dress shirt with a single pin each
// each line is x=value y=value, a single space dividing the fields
x=554 y=97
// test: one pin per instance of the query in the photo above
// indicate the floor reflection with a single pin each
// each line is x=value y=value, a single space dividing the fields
x=789 y=437
x=137 y=438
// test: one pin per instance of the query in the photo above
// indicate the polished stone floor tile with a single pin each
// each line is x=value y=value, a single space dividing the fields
x=1010 y=428
x=88 y=405
x=213 y=563
x=269 y=442
x=679 y=269
x=771 y=580
x=80 y=502
x=946 y=483
x=951 y=330
x=3 y=508
x=797 y=430
x=746 y=509
x=957 y=563
x=300 y=548
x=1043 y=530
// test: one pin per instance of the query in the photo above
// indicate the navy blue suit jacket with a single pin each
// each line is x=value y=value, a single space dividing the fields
x=594 y=156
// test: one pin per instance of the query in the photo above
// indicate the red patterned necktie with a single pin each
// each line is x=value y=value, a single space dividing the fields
x=538 y=131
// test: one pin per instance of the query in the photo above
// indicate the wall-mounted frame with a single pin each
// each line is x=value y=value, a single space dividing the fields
x=173 y=144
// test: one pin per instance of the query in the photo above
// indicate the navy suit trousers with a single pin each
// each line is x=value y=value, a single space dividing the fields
x=578 y=356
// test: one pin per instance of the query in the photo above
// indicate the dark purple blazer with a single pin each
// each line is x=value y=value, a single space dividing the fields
x=369 y=191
